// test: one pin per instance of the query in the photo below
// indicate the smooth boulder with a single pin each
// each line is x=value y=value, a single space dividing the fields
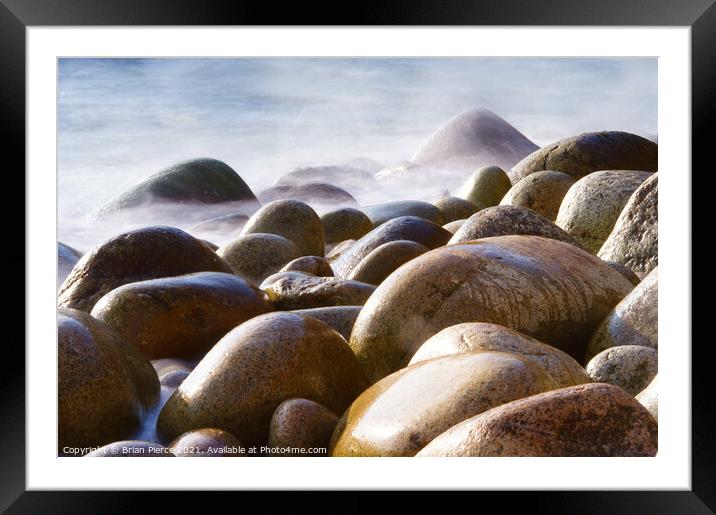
x=485 y=187
x=180 y=317
x=256 y=256
x=403 y=412
x=541 y=192
x=634 y=321
x=593 y=419
x=591 y=207
x=381 y=213
x=630 y=367
x=455 y=208
x=291 y=219
x=508 y=220
x=480 y=337
x=339 y=318
x=67 y=258
x=313 y=265
x=148 y=253
x=547 y=289
x=345 y=224
x=310 y=193
x=590 y=152
x=453 y=227
x=104 y=383
x=300 y=427
x=385 y=259
x=634 y=240
x=296 y=290
x=254 y=368
x=649 y=397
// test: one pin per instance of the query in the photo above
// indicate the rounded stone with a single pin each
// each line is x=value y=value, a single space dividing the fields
x=480 y=337
x=381 y=213
x=148 y=253
x=180 y=317
x=205 y=443
x=593 y=419
x=453 y=227
x=208 y=181
x=508 y=220
x=104 y=383
x=590 y=152
x=345 y=224
x=333 y=252
x=634 y=240
x=67 y=258
x=591 y=207
x=474 y=138
x=625 y=271
x=403 y=228
x=455 y=208
x=649 y=397
x=545 y=288
x=313 y=265
x=257 y=366
x=296 y=290
x=256 y=256
x=542 y=192
x=131 y=449
x=310 y=193
x=293 y=220
x=634 y=321
x=630 y=367
x=339 y=318
x=403 y=412
x=301 y=424
x=485 y=187
x=385 y=259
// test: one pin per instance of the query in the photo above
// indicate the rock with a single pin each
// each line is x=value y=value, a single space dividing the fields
x=67 y=258
x=453 y=227
x=313 y=265
x=634 y=321
x=649 y=397
x=148 y=253
x=338 y=318
x=104 y=384
x=403 y=228
x=634 y=240
x=585 y=420
x=206 y=181
x=257 y=366
x=474 y=138
x=541 y=192
x=385 y=259
x=403 y=412
x=345 y=224
x=590 y=152
x=311 y=193
x=455 y=208
x=256 y=256
x=212 y=246
x=336 y=250
x=301 y=424
x=479 y=337
x=350 y=178
x=485 y=187
x=625 y=271
x=295 y=290
x=545 y=288
x=630 y=367
x=381 y=213
x=131 y=449
x=180 y=317
x=507 y=220
x=225 y=224
x=206 y=442
x=591 y=207
x=172 y=371
x=293 y=220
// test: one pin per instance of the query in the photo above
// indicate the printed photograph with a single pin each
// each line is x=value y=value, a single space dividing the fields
x=369 y=257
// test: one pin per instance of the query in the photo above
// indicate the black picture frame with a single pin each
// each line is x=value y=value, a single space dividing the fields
x=17 y=15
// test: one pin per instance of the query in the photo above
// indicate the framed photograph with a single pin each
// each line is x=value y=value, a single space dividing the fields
x=427 y=237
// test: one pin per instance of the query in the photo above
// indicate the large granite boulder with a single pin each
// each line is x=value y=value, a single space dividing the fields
x=541 y=192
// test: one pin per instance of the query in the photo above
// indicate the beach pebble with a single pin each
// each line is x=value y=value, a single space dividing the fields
x=385 y=259
x=301 y=424
x=485 y=187
x=541 y=192
x=630 y=367
x=339 y=318
x=345 y=224
x=313 y=265
x=455 y=208
x=256 y=256
x=296 y=290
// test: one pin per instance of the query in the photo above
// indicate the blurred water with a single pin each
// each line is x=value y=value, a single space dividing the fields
x=121 y=120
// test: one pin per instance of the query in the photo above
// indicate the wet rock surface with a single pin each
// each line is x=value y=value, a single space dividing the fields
x=630 y=367
x=586 y=420
x=338 y=318
x=180 y=317
x=67 y=258
x=542 y=192
x=381 y=213
x=385 y=259
x=345 y=224
x=148 y=253
x=269 y=359
x=313 y=265
x=296 y=290
x=301 y=425
x=545 y=288
x=455 y=208
x=486 y=187
x=256 y=256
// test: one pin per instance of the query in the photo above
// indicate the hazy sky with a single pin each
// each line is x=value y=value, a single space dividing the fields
x=123 y=119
